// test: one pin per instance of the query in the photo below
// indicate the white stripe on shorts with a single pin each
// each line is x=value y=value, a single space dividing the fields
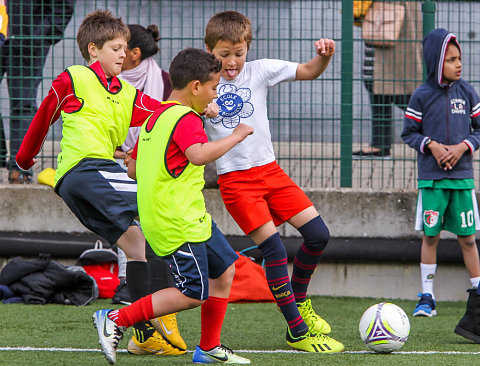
x=419 y=215
x=184 y=253
x=116 y=176
x=475 y=210
x=190 y=254
x=123 y=187
x=119 y=181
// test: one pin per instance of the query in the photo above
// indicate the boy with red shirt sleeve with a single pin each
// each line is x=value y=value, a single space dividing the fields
x=61 y=97
x=171 y=152
x=187 y=132
x=97 y=110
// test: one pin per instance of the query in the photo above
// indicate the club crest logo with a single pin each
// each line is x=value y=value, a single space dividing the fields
x=234 y=104
x=430 y=218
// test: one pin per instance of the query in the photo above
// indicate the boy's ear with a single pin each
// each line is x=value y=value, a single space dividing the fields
x=92 y=50
x=195 y=86
x=208 y=48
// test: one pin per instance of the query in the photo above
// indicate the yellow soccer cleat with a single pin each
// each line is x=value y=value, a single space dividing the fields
x=167 y=326
x=155 y=345
x=315 y=323
x=318 y=343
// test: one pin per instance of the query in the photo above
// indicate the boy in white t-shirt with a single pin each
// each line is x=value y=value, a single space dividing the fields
x=256 y=191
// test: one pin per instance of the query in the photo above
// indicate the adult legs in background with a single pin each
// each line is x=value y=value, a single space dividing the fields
x=382 y=120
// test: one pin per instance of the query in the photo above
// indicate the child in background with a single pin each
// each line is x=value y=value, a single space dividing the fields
x=172 y=150
x=142 y=71
x=97 y=109
x=255 y=190
x=442 y=123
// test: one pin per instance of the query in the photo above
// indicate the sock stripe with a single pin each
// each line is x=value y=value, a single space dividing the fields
x=295 y=322
x=300 y=294
x=309 y=251
x=301 y=280
x=303 y=265
x=113 y=315
x=286 y=301
x=279 y=262
x=278 y=281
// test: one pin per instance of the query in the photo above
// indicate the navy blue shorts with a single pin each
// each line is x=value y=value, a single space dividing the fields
x=101 y=196
x=194 y=263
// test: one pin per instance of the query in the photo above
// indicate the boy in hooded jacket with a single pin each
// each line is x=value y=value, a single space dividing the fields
x=442 y=123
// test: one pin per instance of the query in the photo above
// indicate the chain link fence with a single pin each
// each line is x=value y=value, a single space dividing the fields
x=315 y=125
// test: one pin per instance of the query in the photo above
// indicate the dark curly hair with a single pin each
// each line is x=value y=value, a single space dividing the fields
x=193 y=64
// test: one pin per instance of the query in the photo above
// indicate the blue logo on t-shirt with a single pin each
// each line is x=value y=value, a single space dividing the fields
x=234 y=104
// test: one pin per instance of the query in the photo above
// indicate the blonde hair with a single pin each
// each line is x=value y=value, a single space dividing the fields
x=229 y=26
x=99 y=27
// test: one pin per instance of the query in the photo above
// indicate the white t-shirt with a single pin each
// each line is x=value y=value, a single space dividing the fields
x=245 y=100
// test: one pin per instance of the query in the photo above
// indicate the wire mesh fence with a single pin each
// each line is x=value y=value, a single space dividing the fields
x=356 y=104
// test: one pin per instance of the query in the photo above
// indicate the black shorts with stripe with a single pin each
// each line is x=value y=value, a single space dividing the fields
x=101 y=196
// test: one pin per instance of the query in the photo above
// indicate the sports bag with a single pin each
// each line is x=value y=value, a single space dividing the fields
x=101 y=264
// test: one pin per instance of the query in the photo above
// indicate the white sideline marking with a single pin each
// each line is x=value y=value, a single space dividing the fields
x=53 y=349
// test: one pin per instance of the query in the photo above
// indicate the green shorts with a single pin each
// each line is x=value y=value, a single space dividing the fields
x=454 y=210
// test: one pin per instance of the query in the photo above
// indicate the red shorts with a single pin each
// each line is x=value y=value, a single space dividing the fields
x=261 y=194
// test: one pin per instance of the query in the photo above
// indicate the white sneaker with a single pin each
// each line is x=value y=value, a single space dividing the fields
x=109 y=334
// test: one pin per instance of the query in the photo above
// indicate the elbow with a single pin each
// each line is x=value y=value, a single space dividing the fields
x=198 y=161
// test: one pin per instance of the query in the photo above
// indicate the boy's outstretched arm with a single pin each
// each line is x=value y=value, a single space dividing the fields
x=325 y=48
x=48 y=112
x=204 y=153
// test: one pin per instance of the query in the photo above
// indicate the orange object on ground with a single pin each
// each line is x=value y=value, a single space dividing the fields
x=249 y=283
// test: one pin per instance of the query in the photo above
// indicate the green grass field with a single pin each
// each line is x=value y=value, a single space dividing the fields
x=64 y=335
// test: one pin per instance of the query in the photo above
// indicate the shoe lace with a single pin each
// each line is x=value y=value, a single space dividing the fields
x=117 y=335
x=309 y=311
x=173 y=319
x=226 y=349
x=321 y=337
x=426 y=300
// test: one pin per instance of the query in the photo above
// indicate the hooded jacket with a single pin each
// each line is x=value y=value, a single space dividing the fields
x=448 y=113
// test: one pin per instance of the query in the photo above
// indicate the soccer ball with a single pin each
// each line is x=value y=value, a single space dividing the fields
x=384 y=327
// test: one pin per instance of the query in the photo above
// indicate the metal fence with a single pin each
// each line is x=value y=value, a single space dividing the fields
x=316 y=124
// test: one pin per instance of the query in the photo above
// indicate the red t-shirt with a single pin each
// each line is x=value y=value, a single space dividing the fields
x=188 y=131
x=61 y=97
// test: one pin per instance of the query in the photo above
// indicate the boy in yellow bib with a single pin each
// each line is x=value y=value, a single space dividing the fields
x=168 y=163
x=97 y=109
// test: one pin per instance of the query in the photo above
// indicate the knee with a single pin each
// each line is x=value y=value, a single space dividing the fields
x=224 y=281
x=315 y=233
x=229 y=273
x=467 y=242
x=430 y=241
x=273 y=248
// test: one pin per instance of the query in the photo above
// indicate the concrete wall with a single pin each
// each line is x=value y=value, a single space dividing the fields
x=348 y=213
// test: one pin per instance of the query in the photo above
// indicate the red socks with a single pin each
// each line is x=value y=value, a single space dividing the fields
x=213 y=313
x=140 y=310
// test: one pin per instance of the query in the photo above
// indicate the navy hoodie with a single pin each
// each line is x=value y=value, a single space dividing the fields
x=446 y=113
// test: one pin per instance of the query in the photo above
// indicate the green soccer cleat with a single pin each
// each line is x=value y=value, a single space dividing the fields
x=318 y=343
x=316 y=324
